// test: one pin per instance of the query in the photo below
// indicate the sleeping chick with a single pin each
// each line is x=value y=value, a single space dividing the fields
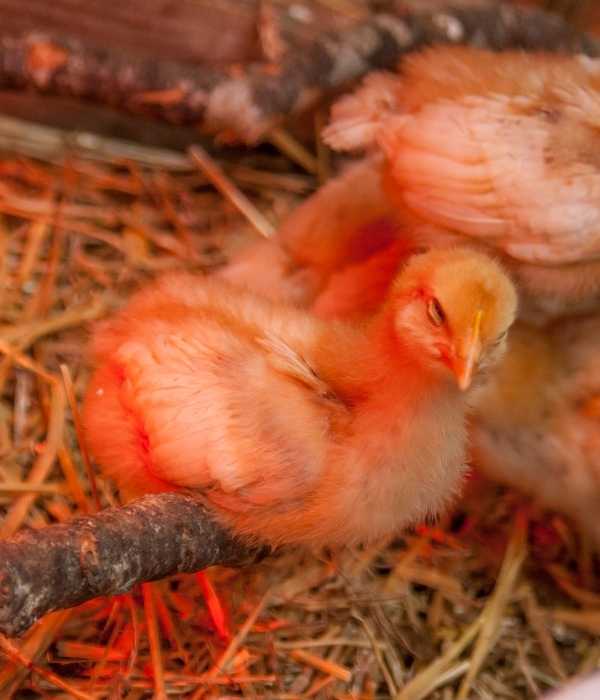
x=497 y=147
x=536 y=423
x=293 y=429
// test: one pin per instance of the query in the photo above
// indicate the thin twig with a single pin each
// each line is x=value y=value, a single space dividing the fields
x=13 y=653
x=229 y=190
x=68 y=383
x=42 y=465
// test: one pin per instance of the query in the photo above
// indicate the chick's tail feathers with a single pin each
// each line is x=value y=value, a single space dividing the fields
x=356 y=118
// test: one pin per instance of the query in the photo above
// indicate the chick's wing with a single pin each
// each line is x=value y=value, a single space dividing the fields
x=199 y=402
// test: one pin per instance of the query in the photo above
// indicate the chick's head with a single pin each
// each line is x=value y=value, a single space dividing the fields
x=456 y=305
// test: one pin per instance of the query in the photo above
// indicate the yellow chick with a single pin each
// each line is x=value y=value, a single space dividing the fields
x=536 y=422
x=293 y=429
x=497 y=147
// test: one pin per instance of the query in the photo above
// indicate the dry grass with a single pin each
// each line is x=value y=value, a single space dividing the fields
x=496 y=601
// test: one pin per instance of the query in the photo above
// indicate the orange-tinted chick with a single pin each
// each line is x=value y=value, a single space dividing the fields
x=293 y=429
x=497 y=147
x=344 y=223
x=536 y=423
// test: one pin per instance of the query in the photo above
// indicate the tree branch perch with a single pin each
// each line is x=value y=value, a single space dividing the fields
x=249 y=102
x=64 y=565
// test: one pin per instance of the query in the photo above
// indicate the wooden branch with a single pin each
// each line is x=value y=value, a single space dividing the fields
x=252 y=101
x=64 y=565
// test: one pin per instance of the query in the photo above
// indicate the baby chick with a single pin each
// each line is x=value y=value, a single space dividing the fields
x=343 y=223
x=496 y=147
x=536 y=423
x=337 y=252
x=293 y=429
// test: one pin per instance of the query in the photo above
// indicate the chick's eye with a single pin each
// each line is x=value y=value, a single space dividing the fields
x=435 y=312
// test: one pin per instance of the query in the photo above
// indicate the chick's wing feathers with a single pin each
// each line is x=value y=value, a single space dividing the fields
x=347 y=219
x=197 y=377
x=544 y=212
x=356 y=118
x=286 y=360
x=457 y=120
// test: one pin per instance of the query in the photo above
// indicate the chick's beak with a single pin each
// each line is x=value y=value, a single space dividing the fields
x=465 y=362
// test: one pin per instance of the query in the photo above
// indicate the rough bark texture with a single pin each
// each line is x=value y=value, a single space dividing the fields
x=251 y=101
x=64 y=565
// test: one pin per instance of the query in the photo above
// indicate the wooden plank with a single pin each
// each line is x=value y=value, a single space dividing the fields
x=212 y=31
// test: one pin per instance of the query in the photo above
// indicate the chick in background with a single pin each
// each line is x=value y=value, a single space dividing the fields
x=345 y=222
x=296 y=430
x=499 y=148
x=462 y=145
x=535 y=423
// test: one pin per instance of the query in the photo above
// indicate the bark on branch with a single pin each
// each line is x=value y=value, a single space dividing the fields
x=64 y=565
x=248 y=104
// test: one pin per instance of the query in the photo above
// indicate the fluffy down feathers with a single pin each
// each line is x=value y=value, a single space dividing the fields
x=536 y=424
x=345 y=222
x=499 y=148
x=294 y=430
